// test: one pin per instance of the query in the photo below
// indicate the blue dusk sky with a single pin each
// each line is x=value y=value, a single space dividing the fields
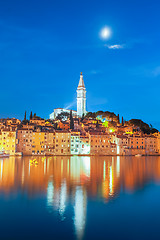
x=44 y=45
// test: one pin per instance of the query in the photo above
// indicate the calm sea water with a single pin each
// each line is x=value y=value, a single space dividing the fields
x=80 y=198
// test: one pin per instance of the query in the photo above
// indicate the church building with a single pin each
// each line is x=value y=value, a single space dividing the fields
x=81 y=102
x=81 y=98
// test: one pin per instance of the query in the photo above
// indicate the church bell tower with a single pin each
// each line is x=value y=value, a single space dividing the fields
x=81 y=97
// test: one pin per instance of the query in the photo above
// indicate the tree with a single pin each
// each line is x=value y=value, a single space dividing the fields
x=71 y=121
x=31 y=115
x=118 y=118
x=97 y=124
x=25 y=116
x=99 y=113
x=122 y=122
x=63 y=116
x=90 y=115
x=83 y=117
x=55 y=126
x=25 y=121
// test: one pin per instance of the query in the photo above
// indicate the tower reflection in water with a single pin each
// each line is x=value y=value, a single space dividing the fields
x=73 y=181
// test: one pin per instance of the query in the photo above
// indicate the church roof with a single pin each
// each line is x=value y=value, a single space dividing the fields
x=81 y=82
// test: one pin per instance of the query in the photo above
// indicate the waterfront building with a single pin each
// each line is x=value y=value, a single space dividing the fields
x=151 y=145
x=62 y=142
x=79 y=144
x=157 y=135
x=81 y=98
x=122 y=144
x=100 y=144
x=8 y=141
x=75 y=143
x=84 y=145
x=49 y=142
x=38 y=142
x=137 y=144
x=24 y=141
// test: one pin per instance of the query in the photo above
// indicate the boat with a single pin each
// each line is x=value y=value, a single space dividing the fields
x=19 y=154
x=4 y=155
x=138 y=155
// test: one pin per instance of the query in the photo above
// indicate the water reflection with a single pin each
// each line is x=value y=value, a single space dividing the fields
x=71 y=181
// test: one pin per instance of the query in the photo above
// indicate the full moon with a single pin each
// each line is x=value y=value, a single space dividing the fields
x=105 y=33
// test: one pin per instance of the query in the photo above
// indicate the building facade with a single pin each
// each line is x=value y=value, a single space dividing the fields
x=62 y=142
x=58 y=111
x=8 y=142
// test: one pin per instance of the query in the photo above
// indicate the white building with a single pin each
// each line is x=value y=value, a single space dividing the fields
x=58 y=111
x=79 y=145
x=81 y=102
x=81 y=98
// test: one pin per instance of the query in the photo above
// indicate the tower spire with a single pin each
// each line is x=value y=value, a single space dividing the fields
x=81 y=82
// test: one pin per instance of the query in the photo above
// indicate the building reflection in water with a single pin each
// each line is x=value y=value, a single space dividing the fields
x=80 y=211
x=74 y=180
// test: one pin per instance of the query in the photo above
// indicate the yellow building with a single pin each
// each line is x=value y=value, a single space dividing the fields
x=8 y=141
x=38 y=142
x=62 y=142
x=49 y=142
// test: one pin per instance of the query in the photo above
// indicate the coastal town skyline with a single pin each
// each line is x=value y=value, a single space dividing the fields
x=79 y=119
x=81 y=106
x=43 y=51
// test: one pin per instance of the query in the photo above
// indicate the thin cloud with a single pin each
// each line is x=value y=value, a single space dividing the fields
x=93 y=72
x=115 y=46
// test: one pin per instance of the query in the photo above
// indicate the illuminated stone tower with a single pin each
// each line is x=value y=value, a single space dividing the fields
x=81 y=98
